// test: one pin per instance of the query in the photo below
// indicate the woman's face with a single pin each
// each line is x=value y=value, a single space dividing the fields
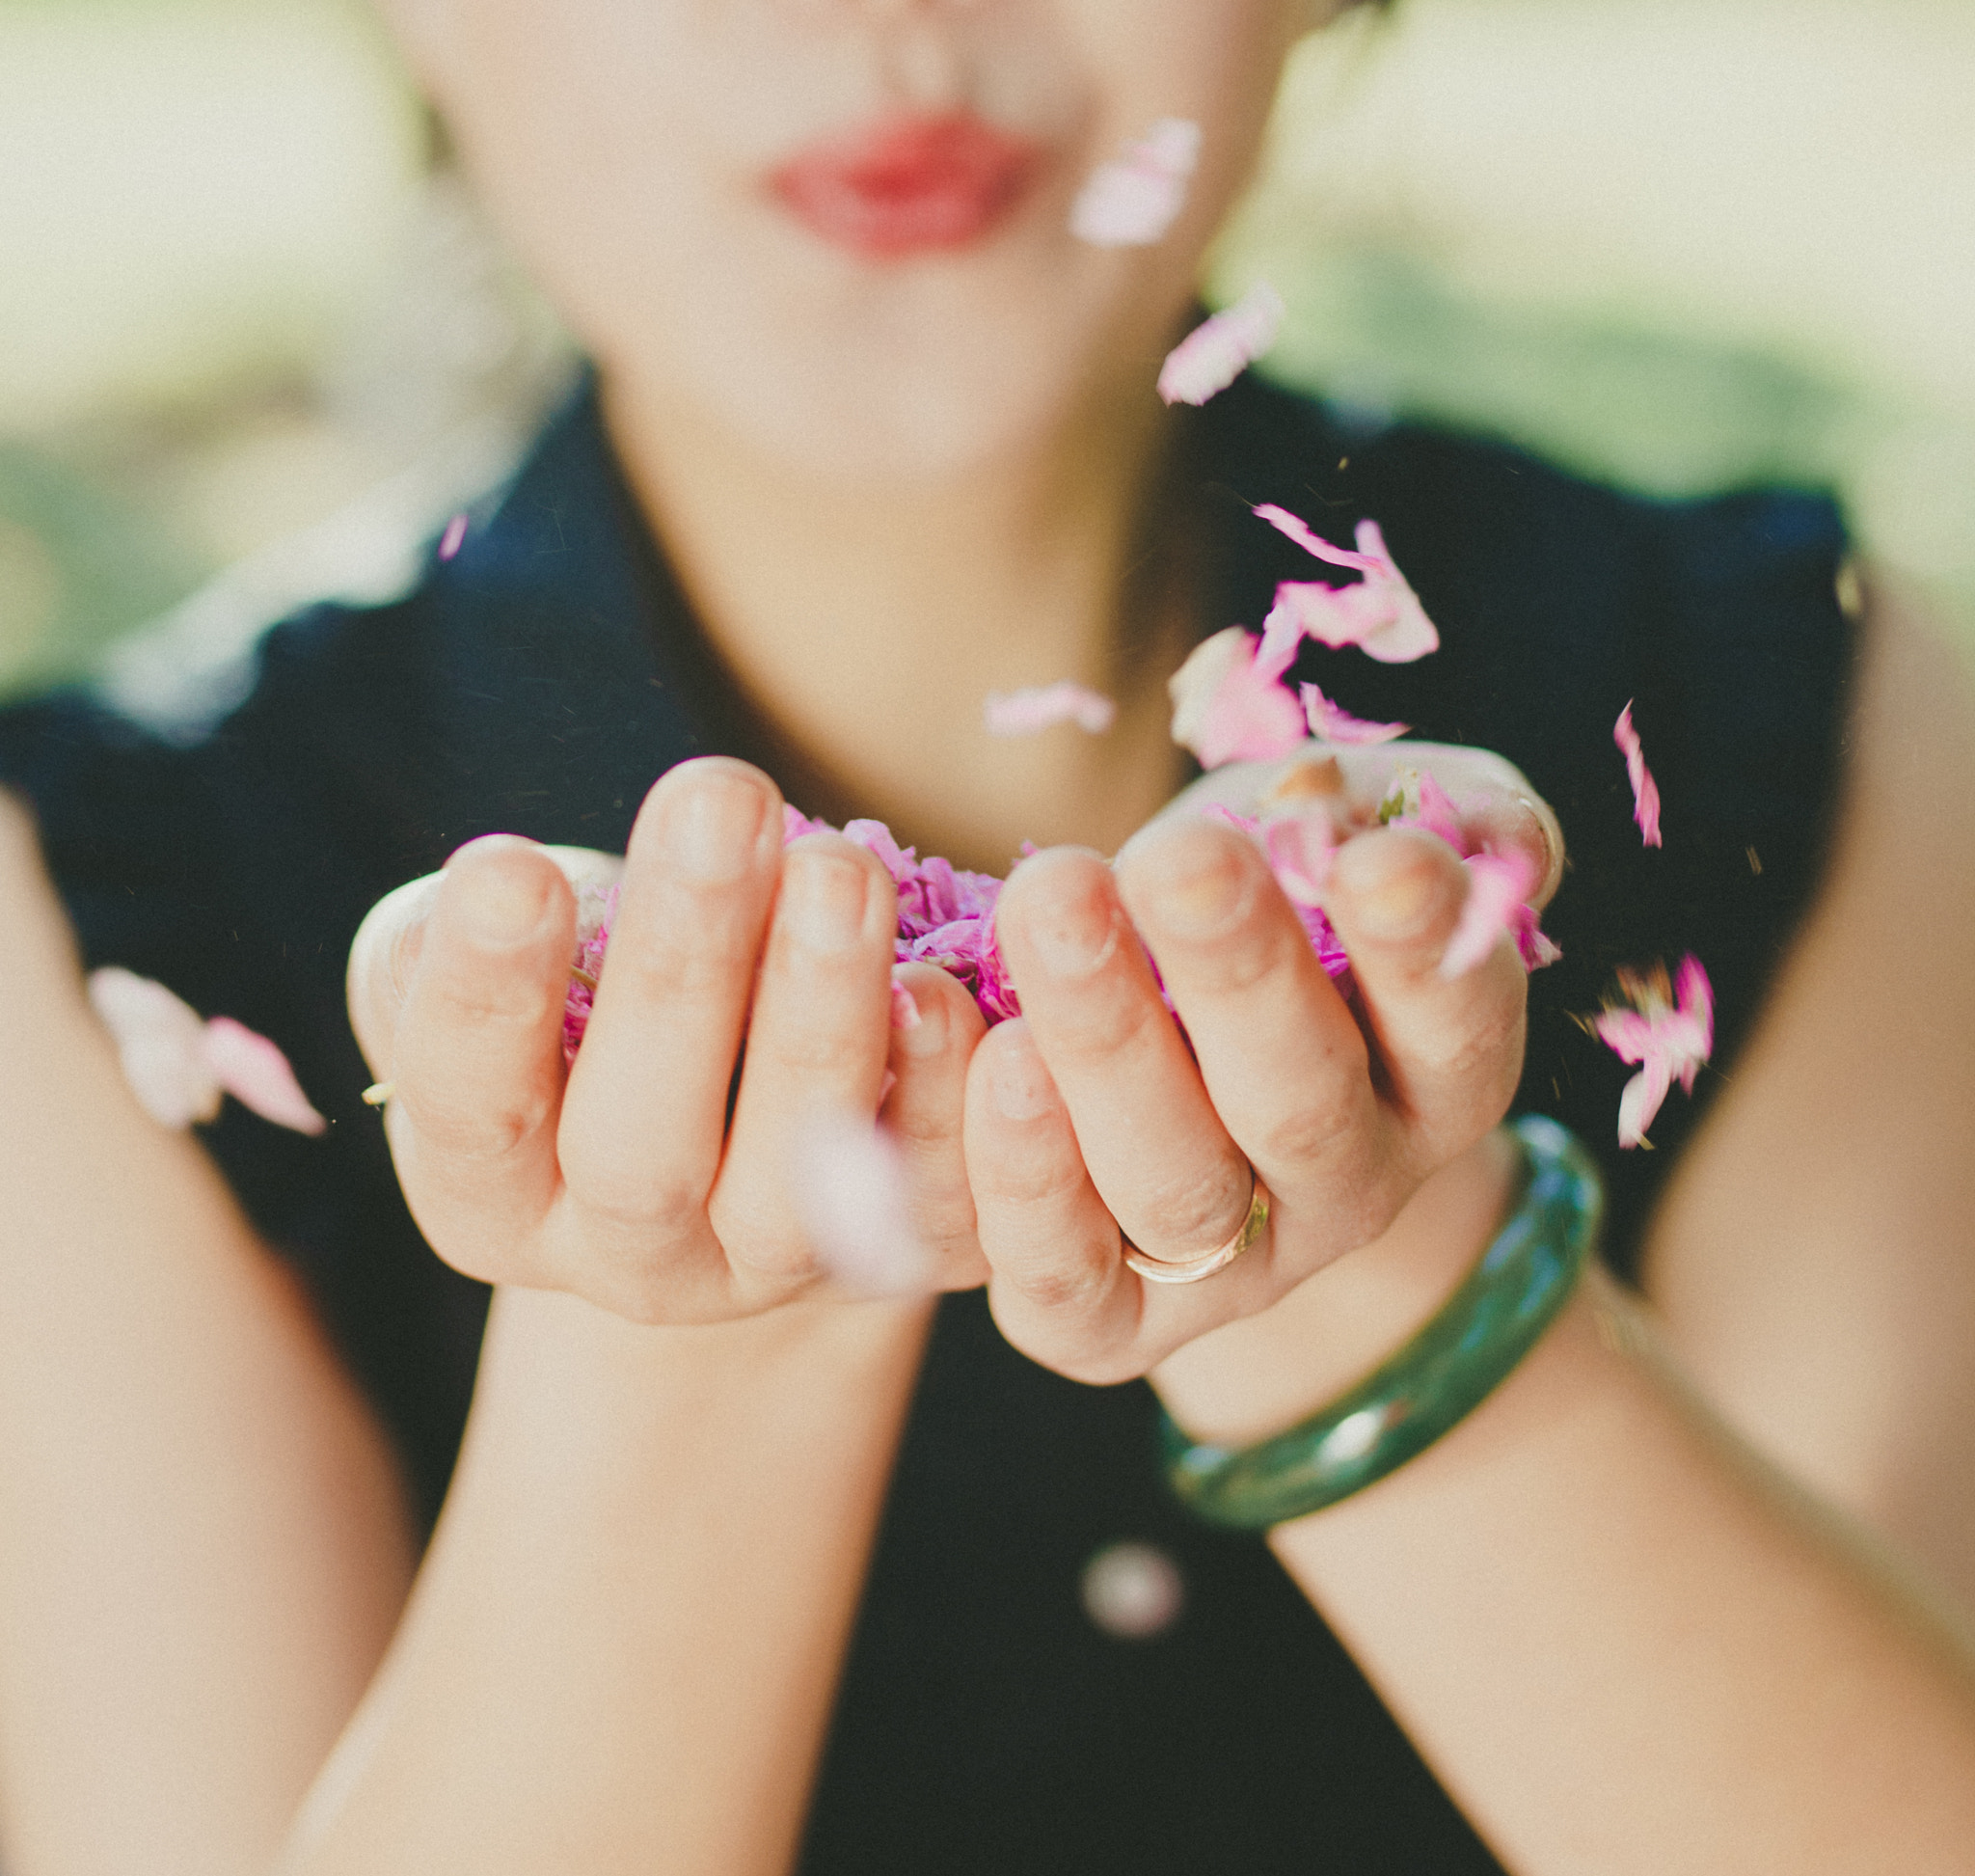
x=839 y=228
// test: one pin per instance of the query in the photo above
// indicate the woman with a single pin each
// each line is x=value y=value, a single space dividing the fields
x=892 y=427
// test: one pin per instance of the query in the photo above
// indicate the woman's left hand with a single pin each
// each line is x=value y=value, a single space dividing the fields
x=1090 y=1121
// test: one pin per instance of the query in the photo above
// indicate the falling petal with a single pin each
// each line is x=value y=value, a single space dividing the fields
x=1498 y=885
x=1645 y=791
x=1670 y=1033
x=1381 y=616
x=1215 y=353
x=450 y=542
x=1133 y=199
x=1330 y=723
x=1311 y=542
x=256 y=1074
x=161 y=1043
x=1227 y=707
x=1023 y=712
x=848 y=1186
x=1640 y=1101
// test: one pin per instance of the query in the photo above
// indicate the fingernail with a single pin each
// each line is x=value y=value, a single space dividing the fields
x=1392 y=885
x=823 y=899
x=1021 y=1085
x=1201 y=890
x=1074 y=938
x=924 y=1032
x=502 y=906
x=712 y=825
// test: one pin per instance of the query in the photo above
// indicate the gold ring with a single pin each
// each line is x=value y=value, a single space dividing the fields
x=1191 y=1269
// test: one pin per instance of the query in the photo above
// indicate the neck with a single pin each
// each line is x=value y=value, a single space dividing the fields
x=864 y=625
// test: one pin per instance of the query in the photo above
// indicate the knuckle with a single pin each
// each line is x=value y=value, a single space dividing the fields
x=1047 y=1181
x=631 y=1203
x=1058 y=1289
x=1201 y=1208
x=1313 y=1134
x=480 y=1134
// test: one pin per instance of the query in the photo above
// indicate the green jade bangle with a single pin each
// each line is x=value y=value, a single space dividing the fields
x=1449 y=1367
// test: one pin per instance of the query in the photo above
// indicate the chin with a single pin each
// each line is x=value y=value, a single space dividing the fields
x=930 y=379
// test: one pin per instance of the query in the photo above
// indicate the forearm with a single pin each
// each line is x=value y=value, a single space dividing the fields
x=203 y=1546
x=1619 y=1642
x=623 y=1648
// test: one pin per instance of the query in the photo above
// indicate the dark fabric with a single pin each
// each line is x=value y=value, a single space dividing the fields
x=541 y=680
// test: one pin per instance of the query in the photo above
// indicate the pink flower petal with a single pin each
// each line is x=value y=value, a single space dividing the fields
x=1023 y=712
x=848 y=1186
x=1645 y=791
x=1669 y=1033
x=1381 y=616
x=1331 y=723
x=1498 y=883
x=1311 y=541
x=450 y=542
x=1638 y=1104
x=1301 y=849
x=1227 y=707
x=161 y=1045
x=1437 y=814
x=1132 y=200
x=1217 y=351
x=874 y=837
x=256 y=1074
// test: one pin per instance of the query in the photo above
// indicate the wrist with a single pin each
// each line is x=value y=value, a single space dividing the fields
x=819 y=1349
x=1254 y=1377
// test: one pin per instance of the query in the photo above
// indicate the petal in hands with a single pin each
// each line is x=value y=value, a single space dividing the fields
x=1498 y=886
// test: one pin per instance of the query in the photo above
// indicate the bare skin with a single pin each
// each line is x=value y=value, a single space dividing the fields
x=621 y=1646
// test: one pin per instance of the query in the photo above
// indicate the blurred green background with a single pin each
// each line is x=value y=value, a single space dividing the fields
x=253 y=346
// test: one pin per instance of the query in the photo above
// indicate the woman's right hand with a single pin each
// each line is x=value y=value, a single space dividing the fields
x=648 y=1178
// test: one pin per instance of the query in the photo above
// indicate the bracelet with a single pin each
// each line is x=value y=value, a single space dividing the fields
x=1448 y=1368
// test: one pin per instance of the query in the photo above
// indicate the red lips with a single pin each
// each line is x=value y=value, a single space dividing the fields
x=908 y=187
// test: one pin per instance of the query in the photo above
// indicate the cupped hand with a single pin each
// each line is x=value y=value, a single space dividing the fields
x=652 y=1176
x=1091 y=1120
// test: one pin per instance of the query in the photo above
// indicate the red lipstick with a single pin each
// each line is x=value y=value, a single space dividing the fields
x=907 y=187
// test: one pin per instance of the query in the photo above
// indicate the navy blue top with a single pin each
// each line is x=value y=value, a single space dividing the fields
x=541 y=680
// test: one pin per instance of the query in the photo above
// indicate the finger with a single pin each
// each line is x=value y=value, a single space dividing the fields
x=646 y=1110
x=817 y=1045
x=476 y=1061
x=1449 y=1050
x=1282 y=1057
x=1059 y=1285
x=383 y=955
x=1497 y=805
x=385 y=952
x=924 y=1113
x=1149 y=1136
